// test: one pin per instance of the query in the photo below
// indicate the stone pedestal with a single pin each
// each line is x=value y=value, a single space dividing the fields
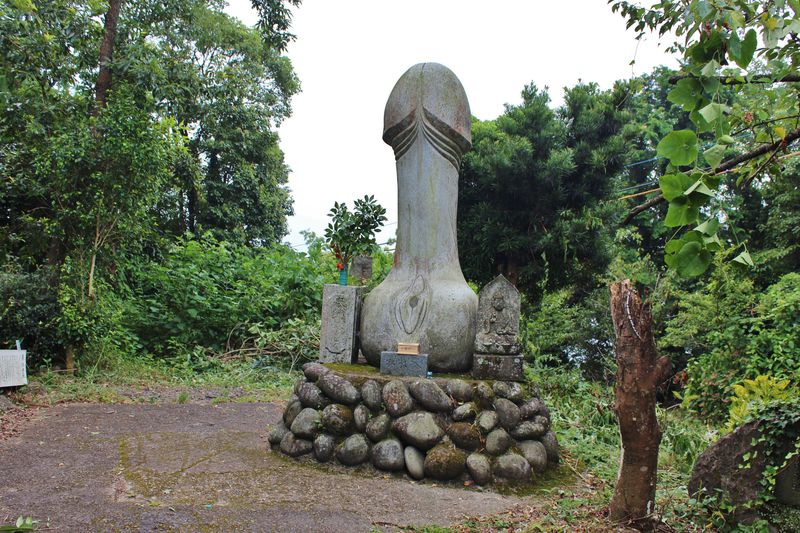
x=341 y=307
x=395 y=364
x=442 y=429
x=505 y=367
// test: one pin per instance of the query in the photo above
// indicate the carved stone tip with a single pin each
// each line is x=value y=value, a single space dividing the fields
x=431 y=92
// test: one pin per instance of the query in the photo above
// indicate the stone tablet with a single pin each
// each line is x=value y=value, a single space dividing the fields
x=395 y=364
x=498 y=318
x=425 y=298
x=361 y=268
x=340 y=309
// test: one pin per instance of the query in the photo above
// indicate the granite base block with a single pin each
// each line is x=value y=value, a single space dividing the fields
x=395 y=364
x=503 y=367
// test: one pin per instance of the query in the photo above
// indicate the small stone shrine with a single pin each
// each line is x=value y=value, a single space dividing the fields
x=497 y=348
x=422 y=318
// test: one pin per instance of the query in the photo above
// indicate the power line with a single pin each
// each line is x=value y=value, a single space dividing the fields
x=643 y=162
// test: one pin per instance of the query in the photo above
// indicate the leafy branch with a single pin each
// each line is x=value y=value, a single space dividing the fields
x=351 y=233
x=736 y=80
x=719 y=42
x=725 y=166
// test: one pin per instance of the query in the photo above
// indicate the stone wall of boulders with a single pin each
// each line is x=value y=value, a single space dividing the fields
x=442 y=429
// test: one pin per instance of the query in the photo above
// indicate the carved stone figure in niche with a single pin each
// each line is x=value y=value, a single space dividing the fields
x=500 y=319
x=498 y=316
x=425 y=298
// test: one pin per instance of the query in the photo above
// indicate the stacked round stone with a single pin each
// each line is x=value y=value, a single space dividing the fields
x=439 y=429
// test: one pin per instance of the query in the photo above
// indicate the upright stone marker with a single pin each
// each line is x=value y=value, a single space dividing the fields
x=341 y=306
x=425 y=298
x=361 y=268
x=497 y=345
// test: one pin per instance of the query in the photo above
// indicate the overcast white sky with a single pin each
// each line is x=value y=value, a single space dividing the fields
x=349 y=53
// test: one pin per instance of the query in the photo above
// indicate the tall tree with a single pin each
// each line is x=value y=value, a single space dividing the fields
x=530 y=191
x=229 y=88
x=90 y=167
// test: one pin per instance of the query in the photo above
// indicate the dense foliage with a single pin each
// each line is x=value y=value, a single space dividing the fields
x=109 y=159
x=531 y=190
x=719 y=41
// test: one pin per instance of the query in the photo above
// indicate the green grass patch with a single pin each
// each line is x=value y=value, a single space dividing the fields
x=144 y=379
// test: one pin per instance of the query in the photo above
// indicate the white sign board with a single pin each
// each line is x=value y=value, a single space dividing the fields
x=12 y=368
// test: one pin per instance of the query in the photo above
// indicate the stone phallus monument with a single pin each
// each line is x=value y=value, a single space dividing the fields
x=425 y=298
x=441 y=428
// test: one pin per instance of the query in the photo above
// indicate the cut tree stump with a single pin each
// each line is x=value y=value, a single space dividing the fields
x=639 y=372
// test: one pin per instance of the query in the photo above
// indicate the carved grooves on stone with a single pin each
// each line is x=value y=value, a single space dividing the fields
x=403 y=140
x=434 y=130
x=444 y=139
x=412 y=306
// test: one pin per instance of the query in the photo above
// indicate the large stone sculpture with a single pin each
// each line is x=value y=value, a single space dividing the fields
x=425 y=298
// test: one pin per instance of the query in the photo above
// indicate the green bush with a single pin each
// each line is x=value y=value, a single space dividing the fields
x=731 y=332
x=203 y=291
x=753 y=394
x=774 y=347
x=566 y=329
x=28 y=312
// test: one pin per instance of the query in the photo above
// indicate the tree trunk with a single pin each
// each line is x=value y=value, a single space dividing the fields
x=639 y=372
x=192 y=208
x=106 y=51
x=70 y=359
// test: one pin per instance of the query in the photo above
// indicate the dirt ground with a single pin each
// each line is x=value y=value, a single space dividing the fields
x=201 y=467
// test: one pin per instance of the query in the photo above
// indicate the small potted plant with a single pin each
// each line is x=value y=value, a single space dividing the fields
x=351 y=233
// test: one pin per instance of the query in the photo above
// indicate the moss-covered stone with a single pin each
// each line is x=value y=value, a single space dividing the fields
x=354 y=450
x=465 y=412
x=484 y=395
x=338 y=419
x=338 y=389
x=378 y=427
x=465 y=435
x=512 y=467
x=430 y=395
x=445 y=462
x=459 y=389
x=397 y=399
x=507 y=413
x=371 y=394
x=419 y=430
